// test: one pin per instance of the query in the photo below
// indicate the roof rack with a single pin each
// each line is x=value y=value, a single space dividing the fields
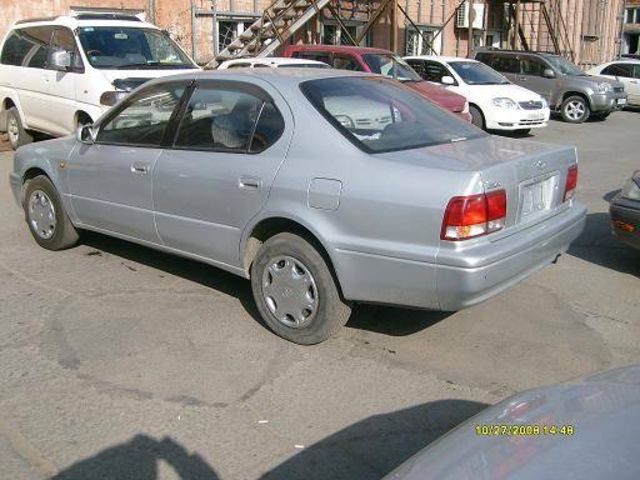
x=35 y=19
x=106 y=16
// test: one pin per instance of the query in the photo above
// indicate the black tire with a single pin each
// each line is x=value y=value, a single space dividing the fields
x=330 y=312
x=476 y=117
x=522 y=132
x=18 y=136
x=570 y=109
x=63 y=234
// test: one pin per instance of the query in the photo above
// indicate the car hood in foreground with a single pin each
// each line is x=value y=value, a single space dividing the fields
x=437 y=94
x=603 y=411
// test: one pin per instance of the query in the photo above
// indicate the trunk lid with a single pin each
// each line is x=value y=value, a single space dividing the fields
x=532 y=174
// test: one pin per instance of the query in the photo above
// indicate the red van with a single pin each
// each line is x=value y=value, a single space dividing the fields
x=376 y=60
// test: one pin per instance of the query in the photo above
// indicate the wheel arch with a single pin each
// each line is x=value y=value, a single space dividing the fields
x=481 y=111
x=575 y=93
x=272 y=225
x=30 y=174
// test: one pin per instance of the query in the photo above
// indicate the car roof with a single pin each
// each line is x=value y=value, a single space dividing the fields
x=441 y=58
x=86 y=20
x=273 y=61
x=278 y=77
x=337 y=49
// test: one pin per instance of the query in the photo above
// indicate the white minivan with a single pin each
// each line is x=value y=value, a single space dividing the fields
x=62 y=72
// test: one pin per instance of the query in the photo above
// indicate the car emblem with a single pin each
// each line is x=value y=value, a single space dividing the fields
x=541 y=164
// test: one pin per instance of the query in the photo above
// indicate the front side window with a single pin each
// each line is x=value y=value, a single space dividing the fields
x=619 y=70
x=378 y=115
x=391 y=65
x=63 y=40
x=533 y=66
x=229 y=119
x=505 y=63
x=27 y=47
x=564 y=66
x=144 y=119
x=131 y=48
x=476 y=73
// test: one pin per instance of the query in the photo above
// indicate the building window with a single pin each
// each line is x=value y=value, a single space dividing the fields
x=632 y=15
x=333 y=34
x=417 y=42
x=229 y=29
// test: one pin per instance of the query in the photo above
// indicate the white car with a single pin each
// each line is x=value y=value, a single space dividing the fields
x=625 y=71
x=273 y=62
x=62 y=72
x=494 y=102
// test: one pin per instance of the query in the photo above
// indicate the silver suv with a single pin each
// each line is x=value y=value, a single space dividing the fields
x=568 y=89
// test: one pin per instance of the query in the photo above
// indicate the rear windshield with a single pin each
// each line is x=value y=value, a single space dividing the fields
x=380 y=115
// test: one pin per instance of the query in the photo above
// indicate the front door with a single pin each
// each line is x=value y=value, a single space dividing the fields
x=232 y=138
x=629 y=74
x=110 y=181
x=532 y=76
x=60 y=86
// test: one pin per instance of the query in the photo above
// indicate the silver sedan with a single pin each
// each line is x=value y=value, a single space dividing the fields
x=325 y=188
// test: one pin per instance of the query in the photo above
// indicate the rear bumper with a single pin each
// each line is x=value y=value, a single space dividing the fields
x=458 y=279
x=625 y=221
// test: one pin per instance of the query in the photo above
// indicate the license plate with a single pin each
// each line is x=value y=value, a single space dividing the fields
x=538 y=197
x=535 y=116
x=622 y=101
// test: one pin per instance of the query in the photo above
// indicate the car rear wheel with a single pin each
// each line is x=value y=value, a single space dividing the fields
x=476 y=117
x=575 y=109
x=46 y=217
x=18 y=136
x=295 y=291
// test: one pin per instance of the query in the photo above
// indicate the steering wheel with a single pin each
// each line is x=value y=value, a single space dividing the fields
x=95 y=53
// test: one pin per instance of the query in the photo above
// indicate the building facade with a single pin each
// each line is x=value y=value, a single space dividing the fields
x=590 y=30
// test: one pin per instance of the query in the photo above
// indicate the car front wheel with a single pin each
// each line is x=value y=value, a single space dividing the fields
x=575 y=110
x=295 y=291
x=18 y=136
x=476 y=117
x=48 y=221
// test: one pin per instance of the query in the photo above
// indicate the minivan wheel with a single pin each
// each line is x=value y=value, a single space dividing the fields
x=575 y=110
x=295 y=291
x=18 y=136
x=48 y=222
x=476 y=117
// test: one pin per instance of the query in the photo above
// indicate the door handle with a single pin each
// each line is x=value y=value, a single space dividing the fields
x=139 y=168
x=250 y=183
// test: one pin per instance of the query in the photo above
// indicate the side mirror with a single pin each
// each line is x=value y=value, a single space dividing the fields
x=447 y=80
x=548 y=73
x=60 y=60
x=86 y=134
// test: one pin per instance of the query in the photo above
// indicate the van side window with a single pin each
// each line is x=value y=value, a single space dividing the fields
x=533 y=66
x=506 y=64
x=27 y=47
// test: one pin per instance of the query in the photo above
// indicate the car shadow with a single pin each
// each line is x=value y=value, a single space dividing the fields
x=138 y=459
x=373 y=447
x=381 y=319
x=599 y=246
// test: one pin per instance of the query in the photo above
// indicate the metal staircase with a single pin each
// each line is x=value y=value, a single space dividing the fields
x=538 y=25
x=277 y=24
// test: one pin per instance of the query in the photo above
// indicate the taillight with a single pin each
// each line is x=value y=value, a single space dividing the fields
x=474 y=215
x=572 y=182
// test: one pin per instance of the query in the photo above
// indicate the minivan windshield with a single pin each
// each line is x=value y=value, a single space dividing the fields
x=131 y=48
x=391 y=66
x=564 y=66
x=379 y=115
x=476 y=73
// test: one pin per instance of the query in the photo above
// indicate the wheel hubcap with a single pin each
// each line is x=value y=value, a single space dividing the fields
x=289 y=291
x=42 y=215
x=12 y=130
x=575 y=110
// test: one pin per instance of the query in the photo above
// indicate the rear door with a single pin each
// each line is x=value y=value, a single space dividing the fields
x=111 y=181
x=231 y=139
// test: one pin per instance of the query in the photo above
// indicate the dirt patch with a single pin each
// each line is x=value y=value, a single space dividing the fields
x=4 y=143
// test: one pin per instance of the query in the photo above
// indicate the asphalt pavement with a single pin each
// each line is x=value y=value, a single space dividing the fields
x=119 y=362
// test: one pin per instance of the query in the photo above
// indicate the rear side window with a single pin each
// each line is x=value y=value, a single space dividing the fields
x=343 y=62
x=380 y=115
x=418 y=66
x=27 y=47
x=144 y=119
x=319 y=56
x=434 y=71
x=501 y=63
x=228 y=118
